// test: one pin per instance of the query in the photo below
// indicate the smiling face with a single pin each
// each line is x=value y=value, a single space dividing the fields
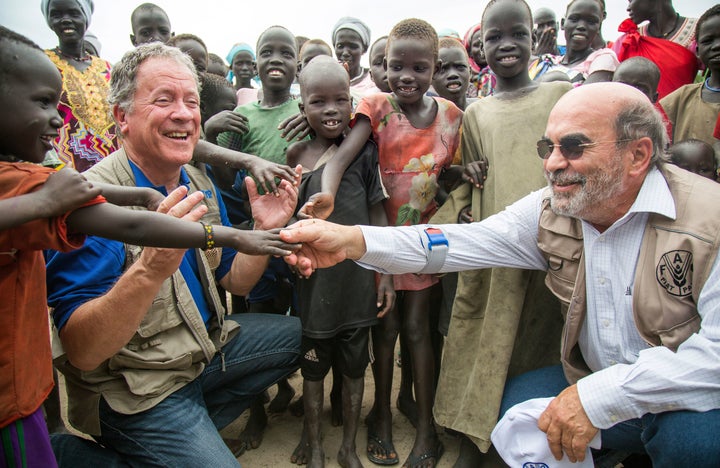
x=410 y=67
x=600 y=185
x=507 y=38
x=349 y=48
x=452 y=79
x=162 y=127
x=67 y=21
x=150 y=25
x=326 y=99
x=29 y=97
x=581 y=24
x=276 y=59
x=377 y=68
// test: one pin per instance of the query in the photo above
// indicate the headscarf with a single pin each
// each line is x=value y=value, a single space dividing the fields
x=237 y=48
x=93 y=39
x=86 y=6
x=353 y=24
x=467 y=40
x=448 y=32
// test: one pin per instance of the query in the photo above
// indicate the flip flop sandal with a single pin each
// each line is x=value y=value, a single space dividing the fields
x=385 y=446
x=436 y=453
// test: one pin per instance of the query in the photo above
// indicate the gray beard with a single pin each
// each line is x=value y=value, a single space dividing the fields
x=595 y=191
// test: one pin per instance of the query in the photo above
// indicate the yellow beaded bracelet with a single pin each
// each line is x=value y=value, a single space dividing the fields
x=209 y=236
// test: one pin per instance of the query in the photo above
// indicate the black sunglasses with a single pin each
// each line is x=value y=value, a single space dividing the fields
x=570 y=147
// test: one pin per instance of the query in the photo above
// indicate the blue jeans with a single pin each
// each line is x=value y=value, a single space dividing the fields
x=673 y=439
x=182 y=430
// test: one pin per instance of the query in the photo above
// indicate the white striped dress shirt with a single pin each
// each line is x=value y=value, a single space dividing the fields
x=629 y=378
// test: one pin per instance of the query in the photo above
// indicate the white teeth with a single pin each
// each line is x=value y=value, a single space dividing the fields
x=177 y=135
x=275 y=73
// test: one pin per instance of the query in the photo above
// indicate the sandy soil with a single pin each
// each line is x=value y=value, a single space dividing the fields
x=283 y=432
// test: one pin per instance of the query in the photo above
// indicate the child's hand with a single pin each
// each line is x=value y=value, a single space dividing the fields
x=476 y=172
x=273 y=211
x=263 y=243
x=225 y=121
x=465 y=216
x=319 y=206
x=66 y=190
x=265 y=173
x=294 y=127
x=385 y=295
x=152 y=199
x=546 y=42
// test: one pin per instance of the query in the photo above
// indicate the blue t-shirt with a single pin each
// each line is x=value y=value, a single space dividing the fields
x=84 y=274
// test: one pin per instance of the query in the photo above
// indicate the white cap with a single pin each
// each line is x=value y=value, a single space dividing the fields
x=521 y=444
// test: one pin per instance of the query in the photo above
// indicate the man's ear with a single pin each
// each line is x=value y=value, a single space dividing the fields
x=385 y=63
x=642 y=151
x=120 y=116
x=562 y=23
x=132 y=40
x=438 y=64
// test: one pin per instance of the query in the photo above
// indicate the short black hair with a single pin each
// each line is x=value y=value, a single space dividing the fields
x=211 y=85
x=277 y=26
x=146 y=7
x=494 y=2
x=8 y=61
x=709 y=13
x=414 y=28
x=318 y=42
x=173 y=41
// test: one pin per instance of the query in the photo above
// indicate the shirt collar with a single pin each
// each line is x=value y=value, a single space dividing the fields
x=654 y=196
x=142 y=181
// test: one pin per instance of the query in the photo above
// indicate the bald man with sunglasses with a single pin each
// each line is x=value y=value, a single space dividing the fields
x=630 y=247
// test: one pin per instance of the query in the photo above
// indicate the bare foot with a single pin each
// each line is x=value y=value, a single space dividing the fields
x=348 y=458
x=336 y=413
x=469 y=456
x=250 y=437
x=301 y=454
x=284 y=395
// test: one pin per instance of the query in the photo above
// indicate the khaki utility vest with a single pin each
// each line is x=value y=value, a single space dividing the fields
x=172 y=345
x=674 y=262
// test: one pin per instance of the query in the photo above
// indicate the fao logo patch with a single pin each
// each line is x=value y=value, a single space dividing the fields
x=674 y=272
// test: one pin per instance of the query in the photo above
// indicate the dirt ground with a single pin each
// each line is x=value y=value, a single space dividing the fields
x=283 y=432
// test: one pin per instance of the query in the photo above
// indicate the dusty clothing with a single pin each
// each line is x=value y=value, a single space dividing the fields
x=172 y=344
x=674 y=261
x=25 y=358
x=410 y=161
x=690 y=116
x=506 y=316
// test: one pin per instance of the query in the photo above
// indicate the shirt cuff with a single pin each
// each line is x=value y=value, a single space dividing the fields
x=603 y=398
x=393 y=251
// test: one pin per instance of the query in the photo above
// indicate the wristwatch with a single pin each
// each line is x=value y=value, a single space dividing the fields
x=436 y=245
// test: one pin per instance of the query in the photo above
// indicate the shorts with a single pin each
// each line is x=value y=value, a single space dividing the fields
x=25 y=442
x=348 y=350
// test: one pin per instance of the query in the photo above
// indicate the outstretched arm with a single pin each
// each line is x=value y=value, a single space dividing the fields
x=320 y=205
x=63 y=191
x=95 y=330
x=324 y=244
x=264 y=171
x=159 y=230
